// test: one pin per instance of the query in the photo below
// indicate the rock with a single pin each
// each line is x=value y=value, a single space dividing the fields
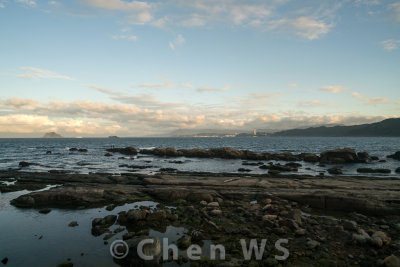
x=110 y=207
x=73 y=149
x=391 y=261
x=379 y=239
x=24 y=164
x=361 y=237
x=295 y=215
x=395 y=156
x=345 y=155
x=185 y=241
x=244 y=170
x=213 y=205
x=73 y=224
x=126 y=151
x=4 y=260
x=197 y=236
x=363 y=157
x=226 y=153
x=168 y=170
x=273 y=172
x=216 y=212
x=374 y=158
x=149 y=249
x=82 y=150
x=397 y=170
x=203 y=203
x=335 y=170
x=128 y=235
x=312 y=244
x=45 y=211
x=159 y=216
x=48 y=152
x=369 y=170
x=293 y=164
x=300 y=231
x=308 y=157
x=350 y=225
x=136 y=215
x=269 y=217
x=108 y=155
x=65 y=264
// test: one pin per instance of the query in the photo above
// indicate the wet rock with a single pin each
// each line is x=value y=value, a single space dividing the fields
x=226 y=153
x=363 y=157
x=395 y=156
x=197 y=235
x=361 y=237
x=397 y=170
x=184 y=242
x=349 y=225
x=25 y=164
x=126 y=151
x=159 y=216
x=168 y=170
x=369 y=170
x=48 y=152
x=83 y=150
x=4 y=260
x=335 y=170
x=244 y=170
x=73 y=149
x=149 y=249
x=216 y=212
x=136 y=215
x=309 y=157
x=312 y=244
x=391 y=261
x=293 y=165
x=65 y=264
x=45 y=211
x=379 y=239
x=213 y=205
x=108 y=155
x=128 y=235
x=73 y=224
x=110 y=207
x=374 y=158
x=345 y=155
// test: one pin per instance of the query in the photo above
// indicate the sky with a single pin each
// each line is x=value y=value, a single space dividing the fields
x=149 y=68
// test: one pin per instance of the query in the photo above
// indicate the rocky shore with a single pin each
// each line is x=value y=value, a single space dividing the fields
x=328 y=221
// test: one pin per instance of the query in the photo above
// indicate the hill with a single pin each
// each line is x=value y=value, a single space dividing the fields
x=388 y=127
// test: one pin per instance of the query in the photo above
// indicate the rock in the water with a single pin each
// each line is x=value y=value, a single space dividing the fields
x=369 y=170
x=108 y=154
x=24 y=164
x=4 y=261
x=397 y=170
x=44 y=211
x=335 y=170
x=73 y=224
x=126 y=151
x=391 y=261
x=395 y=156
x=159 y=216
x=345 y=155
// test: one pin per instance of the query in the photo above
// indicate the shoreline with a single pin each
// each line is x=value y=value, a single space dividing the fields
x=315 y=214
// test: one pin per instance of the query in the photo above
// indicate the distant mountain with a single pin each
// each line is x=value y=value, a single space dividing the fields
x=52 y=135
x=388 y=127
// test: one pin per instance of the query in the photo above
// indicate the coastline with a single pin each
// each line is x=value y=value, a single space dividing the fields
x=325 y=219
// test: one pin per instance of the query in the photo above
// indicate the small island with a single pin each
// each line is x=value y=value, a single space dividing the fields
x=52 y=135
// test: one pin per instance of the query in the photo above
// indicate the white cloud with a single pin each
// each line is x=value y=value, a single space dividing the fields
x=213 y=89
x=179 y=40
x=30 y=3
x=306 y=27
x=292 y=84
x=37 y=73
x=390 y=45
x=125 y=37
x=370 y=100
x=157 y=85
x=395 y=7
x=2 y=5
x=335 y=89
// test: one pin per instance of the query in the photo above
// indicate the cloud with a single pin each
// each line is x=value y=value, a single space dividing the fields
x=157 y=85
x=292 y=84
x=370 y=100
x=30 y=3
x=395 y=7
x=390 y=45
x=2 y=5
x=213 y=89
x=306 y=27
x=314 y=103
x=335 y=89
x=125 y=37
x=37 y=73
x=179 y=40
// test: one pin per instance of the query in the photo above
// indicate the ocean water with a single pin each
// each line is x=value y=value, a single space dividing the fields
x=12 y=151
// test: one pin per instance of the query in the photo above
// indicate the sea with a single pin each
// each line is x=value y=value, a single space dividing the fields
x=13 y=151
x=28 y=238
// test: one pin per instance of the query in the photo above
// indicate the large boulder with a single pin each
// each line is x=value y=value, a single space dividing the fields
x=345 y=155
x=195 y=153
x=309 y=157
x=126 y=151
x=395 y=156
x=226 y=153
